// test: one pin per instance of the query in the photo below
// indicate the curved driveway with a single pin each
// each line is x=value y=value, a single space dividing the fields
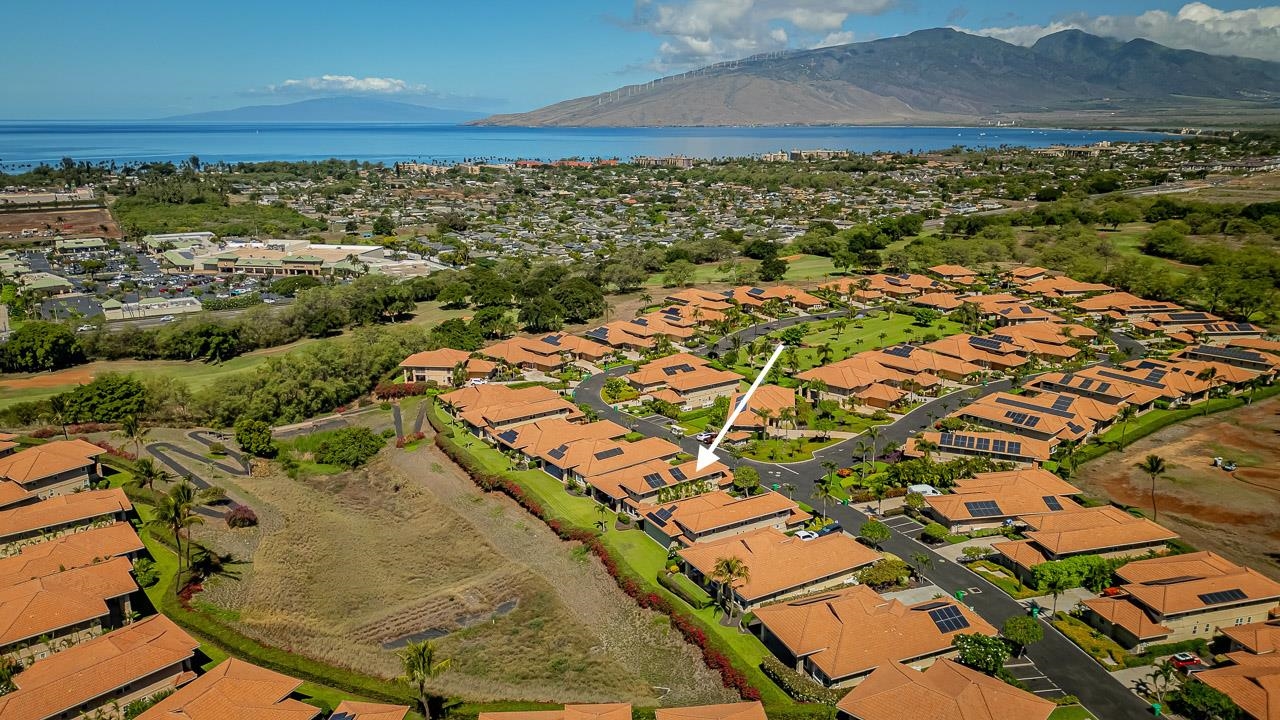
x=1069 y=667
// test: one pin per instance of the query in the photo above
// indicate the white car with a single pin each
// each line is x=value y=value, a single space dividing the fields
x=167 y=318
x=86 y=328
x=269 y=301
x=477 y=381
x=705 y=437
x=806 y=535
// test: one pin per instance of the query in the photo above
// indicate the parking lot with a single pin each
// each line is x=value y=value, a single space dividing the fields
x=1026 y=671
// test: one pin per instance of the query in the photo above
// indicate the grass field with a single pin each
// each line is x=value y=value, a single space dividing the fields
x=805 y=269
x=877 y=331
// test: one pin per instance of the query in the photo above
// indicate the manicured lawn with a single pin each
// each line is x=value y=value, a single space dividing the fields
x=776 y=450
x=805 y=268
x=1106 y=651
x=1070 y=712
x=637 y=555
x=1002 y=579
x=878 y=331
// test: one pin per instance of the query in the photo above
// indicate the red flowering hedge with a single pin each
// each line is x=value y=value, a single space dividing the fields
x=688 y=628
x=111 y=449
x=395 y=391
x=411 y=437
x=47 y=431
x=241 y=516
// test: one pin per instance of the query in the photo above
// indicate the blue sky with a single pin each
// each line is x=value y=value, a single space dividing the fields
x=145 y=59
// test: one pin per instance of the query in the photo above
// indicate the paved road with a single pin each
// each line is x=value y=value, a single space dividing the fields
x=1064 y=664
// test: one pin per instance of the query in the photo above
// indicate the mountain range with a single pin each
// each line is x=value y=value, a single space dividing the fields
x=341 y=109
x=936 y=77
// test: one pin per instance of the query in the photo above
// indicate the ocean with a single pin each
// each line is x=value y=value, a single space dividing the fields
x=23 y=144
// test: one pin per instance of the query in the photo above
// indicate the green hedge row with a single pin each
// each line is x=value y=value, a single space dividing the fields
x=683 y=590
x=798 y=686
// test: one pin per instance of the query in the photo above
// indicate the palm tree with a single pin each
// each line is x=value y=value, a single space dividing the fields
x=729 y=572
x=926 y=448
x=824 y=353
x=874 y=432
x=921 y=561
x=1057 y=585
x=146 y=473
x=185 y=499
x=831 y=468
x=788 y=488
x=421 y=666
x=1066 y=451
x=787 y=416
x=822 y=491
x=860 y=451
x=1208 y=375
x=1127 y=413
x=1161 y=677
x=1154 y=467
x=765 y=415
x=133 y=431
x=169 y=517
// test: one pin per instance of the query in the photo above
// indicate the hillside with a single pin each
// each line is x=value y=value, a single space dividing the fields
x=931 y=77
x=334 y=109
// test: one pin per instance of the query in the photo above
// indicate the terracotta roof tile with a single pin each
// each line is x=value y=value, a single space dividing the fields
x=368 y=711
x=51 y=458
x=778 y=563
x=728 y=711
x=234 y=689
x=943 y=691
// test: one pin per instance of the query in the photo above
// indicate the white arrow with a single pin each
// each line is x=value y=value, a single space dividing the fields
x=707 y=454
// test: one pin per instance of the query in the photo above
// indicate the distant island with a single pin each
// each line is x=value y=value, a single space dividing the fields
x=944 y=77
x=335 y=110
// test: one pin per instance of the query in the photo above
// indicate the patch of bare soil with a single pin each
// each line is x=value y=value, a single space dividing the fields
x=1236 y=514
x=346 y=568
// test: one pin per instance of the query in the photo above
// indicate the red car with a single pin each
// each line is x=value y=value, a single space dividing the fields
x=1112 y=592
x=1184 y=660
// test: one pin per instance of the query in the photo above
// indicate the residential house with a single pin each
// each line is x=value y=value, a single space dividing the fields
x=1107 y=531
x=578 y=348
x=654 y=481
x=779 y=565
x=1008 y=447
x=1258 y=361
x=685 y=380
x=943 y=302
x=133 y=663
x=581 y=461
x=1181 y=597
x=919 y=362
x=526 y=354
x=955 y=274
x=998 y=498
x=1255 y=638
x=1023 y=275
x=437 y=366
x=991 y=353
x=768 y=405
x=1044 y=416
x=488 y=410
x=840 y=638
x=57 y=467
x=623 y=335
x=235 y=689
x=534 y=439
x=56 y=515
x=718 y=514
x=1061 y=286
x=354 y=710
x=1251 y=681
x=1021 y=314
x=857 y=379
x=1124 y=306
x=945 y=689
x=68 y=552
x=64 y=605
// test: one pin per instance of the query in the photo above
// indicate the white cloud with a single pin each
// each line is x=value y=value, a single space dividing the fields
x=1252 y=32
x=348 y=84
x=698 y=32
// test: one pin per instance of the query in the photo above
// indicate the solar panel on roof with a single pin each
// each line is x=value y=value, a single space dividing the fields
x=1063 y=402
x=558 y=453
x=508 y=436
x=931 y=606
x=949 y=619
x=983 y=508
x=1104 y=387
x=1085 y=383
x=1222 y=596
x=1003 y=338
x=678 y=474
x=654 y=480
x=755 y=291
x=1052 y=503
x=641 y=321
x=1032 y=421
x=1128 y=378
x=1014 y=402
x=900 y=351
x=1075 y=428
x=342 y=716
x=984 y=343
x=552 y=340
x=606 y=454
x=599 y=333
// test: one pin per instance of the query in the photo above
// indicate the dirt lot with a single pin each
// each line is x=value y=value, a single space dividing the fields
x=347 y=566
x=1235 y=514
x=1261 y=187
x=69 y=223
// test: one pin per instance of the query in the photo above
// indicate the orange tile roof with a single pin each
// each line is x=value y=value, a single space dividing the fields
x=1180 y=583
x=1062 y=285
x=1252 y=683
x=768 y=397
x=1022 y=553
x=12 y=493
x=855 y=630
x=1030 y=448
x=1124 y=302
x=51 y=458
x=536 y=438
x=1096 y=529
x=939 y=300
x=958 y=346
x=1028 y=272
x=952 y=271
x=1260 y=638
x=944 y=691
x=922 y=361
x=778 y=562
x=579 y=346
x=95 y=669
x=62 y=510
x=68 y=552
x=714 y=510
x=45 y=604
x=442 y=359
x=234 y=689
x=1121 y=612
x=369 y=711
x=589 y=458
x=1033 y=479
x=638 y=479
x=664 y=369
x=728 y=711
x=490 y=395
x=853 y=373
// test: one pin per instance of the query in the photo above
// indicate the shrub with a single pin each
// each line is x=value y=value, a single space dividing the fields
x=934 y=533
x=798 y=686
x=394 y=391
x=349 y=447
x=254 y=437
x=241 y=516
x=217 y=448
x=145 y=572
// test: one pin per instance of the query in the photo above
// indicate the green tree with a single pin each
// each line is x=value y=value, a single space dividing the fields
x=541 y=314
x=146 y=472
x=1161 y=677
x=349 y=447
x=254 y=437
x=883 y=573
x=613 y=389
x=1152 y=466
x=40 y=346
x=9 y=667
x=1197 y=701
x=1022 y=630
x=581 y=299
x=874 y=532
x=772 y=269
x=729 y=573
x=420 y=665
x=822 y=491
x=133 y=431
x=382 y=225
x=679 y=274
x=746 y=479
x=981 y=652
